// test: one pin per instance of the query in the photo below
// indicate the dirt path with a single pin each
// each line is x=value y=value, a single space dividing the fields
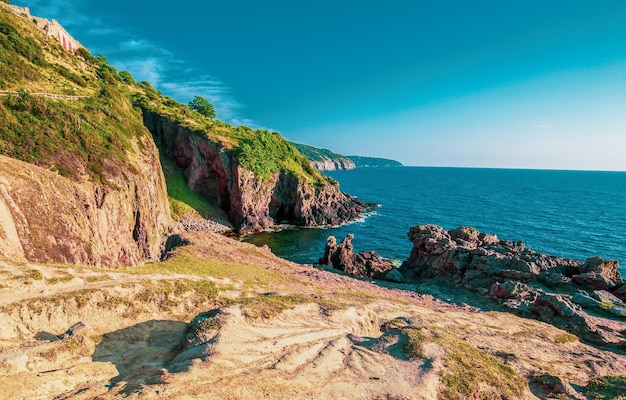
x=328 y=344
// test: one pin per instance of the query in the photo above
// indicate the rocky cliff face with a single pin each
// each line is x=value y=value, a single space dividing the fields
x=252 y=203
x=334 y=164
x=45 y=217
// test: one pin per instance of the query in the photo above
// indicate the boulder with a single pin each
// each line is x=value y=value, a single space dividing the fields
x=366 y=264
x=597 y=273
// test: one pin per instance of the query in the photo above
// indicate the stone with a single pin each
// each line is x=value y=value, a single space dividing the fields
x=556 y=387
x=74 y=330
x=593 y=280
x=585 y=301
x=606 y=297
x=598 y=273
x=365 y=264
x=553 y=277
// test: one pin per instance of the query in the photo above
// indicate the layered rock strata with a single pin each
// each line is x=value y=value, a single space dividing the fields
x=583 y=298
x=252 y=203
x=45 y=217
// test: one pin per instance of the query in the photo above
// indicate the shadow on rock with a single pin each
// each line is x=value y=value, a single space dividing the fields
x=141 y=353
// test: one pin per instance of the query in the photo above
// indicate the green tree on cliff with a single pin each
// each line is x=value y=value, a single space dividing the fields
x=203 y=106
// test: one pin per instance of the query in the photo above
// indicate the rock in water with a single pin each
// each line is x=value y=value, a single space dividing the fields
x=366 y=264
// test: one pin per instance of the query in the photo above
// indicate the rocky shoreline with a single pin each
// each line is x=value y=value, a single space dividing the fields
x=252 y=204
x=584 y=298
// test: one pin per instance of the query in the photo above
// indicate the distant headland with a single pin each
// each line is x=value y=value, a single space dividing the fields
x=327 y=160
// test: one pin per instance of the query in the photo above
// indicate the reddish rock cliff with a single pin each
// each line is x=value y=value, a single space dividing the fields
x=45 y=217
x=252 y=203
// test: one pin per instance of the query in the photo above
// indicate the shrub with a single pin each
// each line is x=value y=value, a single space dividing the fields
x=127 y=77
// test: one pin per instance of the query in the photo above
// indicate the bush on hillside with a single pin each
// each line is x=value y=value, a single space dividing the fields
x=203 y=106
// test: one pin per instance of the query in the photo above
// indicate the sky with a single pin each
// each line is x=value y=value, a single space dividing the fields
x=532 y=84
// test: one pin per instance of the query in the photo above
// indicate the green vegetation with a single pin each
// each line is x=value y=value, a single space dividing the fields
x=607 y=387
x=266 y=153
x=203 y=106
x=35 y=275
x=181 y=198
x=468 y=372
x=364 y=162
x=315 y=154
x=88 y=138
x=562 y=338
x=188 y=263
x=270 y=305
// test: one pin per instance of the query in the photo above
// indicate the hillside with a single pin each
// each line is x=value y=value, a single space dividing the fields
x=327 y=160
x=371 y=162
x=323 y=159
x=74 y=120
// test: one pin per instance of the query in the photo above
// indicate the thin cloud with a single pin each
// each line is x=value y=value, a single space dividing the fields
x=146 y=60
x=65 y=8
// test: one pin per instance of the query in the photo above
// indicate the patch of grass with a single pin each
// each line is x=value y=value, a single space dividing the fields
x=562 y=338
x=187 y=263
x=182 y=199
x=469 y=373
x=35 y=275
x=414 y=346
x=167 y=293
x=112 y=302
x=66 y=277
x=97 y=278
x=270 y=305
x=607 y=387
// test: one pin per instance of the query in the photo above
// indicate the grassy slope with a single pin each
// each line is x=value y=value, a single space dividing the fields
x=361 y=161
x=315 y=154
x=91 y=138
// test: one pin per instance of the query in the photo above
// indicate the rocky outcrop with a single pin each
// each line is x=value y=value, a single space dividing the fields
x=365 y=264
x=252 y=203
x=334 y=164
x=45 y=217
x=559 y=291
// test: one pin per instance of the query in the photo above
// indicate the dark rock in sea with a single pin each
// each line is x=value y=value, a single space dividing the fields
x=366 y=264
x=527 y=283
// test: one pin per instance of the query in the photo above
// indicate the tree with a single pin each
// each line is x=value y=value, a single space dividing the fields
x=203 y=106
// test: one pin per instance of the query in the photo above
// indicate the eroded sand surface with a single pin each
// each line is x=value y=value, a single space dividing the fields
x=328 y=342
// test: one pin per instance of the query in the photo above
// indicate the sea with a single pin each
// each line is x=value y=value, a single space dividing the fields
x=573 y=214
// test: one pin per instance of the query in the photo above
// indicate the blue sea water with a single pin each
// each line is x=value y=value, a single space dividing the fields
x=574 y=214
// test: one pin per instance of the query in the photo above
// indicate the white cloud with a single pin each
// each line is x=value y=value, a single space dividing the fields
x=146 y=60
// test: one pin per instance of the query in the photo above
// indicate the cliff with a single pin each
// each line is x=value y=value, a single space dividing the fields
x=373 y=162
x=214 y=169
x=45 y=217
x=80 y=179
x=326 y=160
x=323 y=159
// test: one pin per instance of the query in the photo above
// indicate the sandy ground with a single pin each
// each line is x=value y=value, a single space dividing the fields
x=133 y=345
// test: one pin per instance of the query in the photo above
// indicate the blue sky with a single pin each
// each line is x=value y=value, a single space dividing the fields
x=531 y=84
